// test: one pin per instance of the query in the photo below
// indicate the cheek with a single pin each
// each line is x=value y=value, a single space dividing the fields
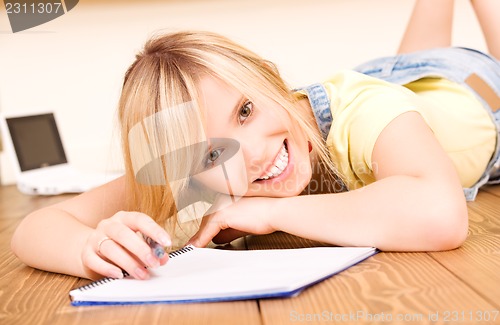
x=229 y=177
x=303 y=174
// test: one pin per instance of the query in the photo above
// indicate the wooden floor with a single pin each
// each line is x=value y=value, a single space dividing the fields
x=454 y=287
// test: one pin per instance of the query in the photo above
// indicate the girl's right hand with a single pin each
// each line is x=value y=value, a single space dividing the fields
x=117 y=244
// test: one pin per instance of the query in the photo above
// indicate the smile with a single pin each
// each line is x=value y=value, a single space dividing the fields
x=279 y=165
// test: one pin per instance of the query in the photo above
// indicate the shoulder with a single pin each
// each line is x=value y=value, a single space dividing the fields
x=362 y=107
x=362 y=97
x=349 y=81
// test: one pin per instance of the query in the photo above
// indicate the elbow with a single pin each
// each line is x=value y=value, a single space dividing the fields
x=450 y=225
x=14 y=247
x=19 y=238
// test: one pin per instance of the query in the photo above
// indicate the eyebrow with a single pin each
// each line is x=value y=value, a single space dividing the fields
x=236 y=109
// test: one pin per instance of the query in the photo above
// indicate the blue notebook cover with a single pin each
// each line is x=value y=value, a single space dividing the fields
x=208 y=275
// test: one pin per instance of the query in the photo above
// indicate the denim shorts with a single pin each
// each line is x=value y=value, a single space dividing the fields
x=477 y=71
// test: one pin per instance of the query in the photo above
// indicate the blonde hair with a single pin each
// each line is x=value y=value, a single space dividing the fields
x=164 y=75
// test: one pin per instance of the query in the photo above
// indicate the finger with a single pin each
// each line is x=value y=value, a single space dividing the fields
x=115 y=253
x=227 y=236
x=128 y=239
x=208 y=230
x=98 y=265
x=147 y=226
x=164 y=259
x=124 y=233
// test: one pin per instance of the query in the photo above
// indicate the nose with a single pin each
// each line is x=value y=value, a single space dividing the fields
x=254 y=152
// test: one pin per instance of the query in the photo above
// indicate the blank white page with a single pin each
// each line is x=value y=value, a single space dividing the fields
x=213 y=274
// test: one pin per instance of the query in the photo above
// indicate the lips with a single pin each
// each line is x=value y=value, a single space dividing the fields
x=279 y=164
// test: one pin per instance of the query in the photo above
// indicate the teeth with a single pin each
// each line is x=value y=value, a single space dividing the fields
x=276 y=171
x=279 y=165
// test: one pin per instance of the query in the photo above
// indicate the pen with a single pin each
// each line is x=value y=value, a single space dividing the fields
x=158 y=250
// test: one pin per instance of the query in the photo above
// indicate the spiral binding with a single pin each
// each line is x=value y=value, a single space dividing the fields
x=96 y=283
x=181 y=251
x=109 y=279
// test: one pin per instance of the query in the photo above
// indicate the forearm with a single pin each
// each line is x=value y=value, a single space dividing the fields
x=395 y=213
x=51 y=239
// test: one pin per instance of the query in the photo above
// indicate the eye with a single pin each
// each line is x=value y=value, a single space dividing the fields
x=245 y=111
x=212 y=156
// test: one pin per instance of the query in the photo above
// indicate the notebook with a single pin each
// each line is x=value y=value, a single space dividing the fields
x=208 y=275
x=34 y=145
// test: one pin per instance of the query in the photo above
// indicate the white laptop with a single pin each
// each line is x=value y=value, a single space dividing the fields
x=34 y=145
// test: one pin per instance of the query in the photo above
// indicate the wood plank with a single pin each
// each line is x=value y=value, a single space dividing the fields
x=7 y=226
x=245 y=312
x=280 y=240
x=484 y=215
x=411 y=286
x=477 y=261
x=14 y=204
x=492 y=189
x=29 y=295
x=487 y=205
x=402 y=287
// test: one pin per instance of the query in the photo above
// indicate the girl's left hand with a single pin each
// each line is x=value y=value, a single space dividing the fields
x=249 y=215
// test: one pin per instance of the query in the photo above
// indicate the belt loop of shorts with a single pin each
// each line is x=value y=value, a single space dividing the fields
x=388 y=67
x=484 y=90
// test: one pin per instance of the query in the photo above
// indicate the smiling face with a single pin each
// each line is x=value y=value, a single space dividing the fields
x=264 y=144
x=275 y=150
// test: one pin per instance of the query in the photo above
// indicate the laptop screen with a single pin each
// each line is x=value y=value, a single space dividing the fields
x=36 y=141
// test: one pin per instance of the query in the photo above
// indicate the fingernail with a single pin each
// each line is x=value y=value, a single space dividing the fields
x=141 y=273
x=116 y=274
x=152 y=262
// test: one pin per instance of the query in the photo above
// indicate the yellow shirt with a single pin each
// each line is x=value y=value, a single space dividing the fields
x=363 y=106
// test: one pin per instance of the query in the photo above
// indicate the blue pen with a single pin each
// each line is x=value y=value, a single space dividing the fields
x=158 y=250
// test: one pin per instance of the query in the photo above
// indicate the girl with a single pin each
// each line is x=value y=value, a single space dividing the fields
x=204 y=119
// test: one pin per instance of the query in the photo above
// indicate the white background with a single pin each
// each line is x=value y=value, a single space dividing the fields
x=75 y=64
